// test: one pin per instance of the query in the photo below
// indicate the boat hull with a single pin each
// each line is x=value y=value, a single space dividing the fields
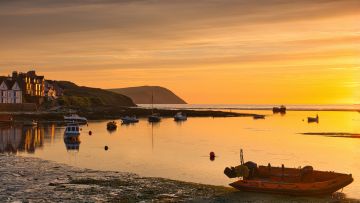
x=297 y=189
x=154 y=119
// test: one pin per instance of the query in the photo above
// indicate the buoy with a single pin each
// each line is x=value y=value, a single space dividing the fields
x=90 y=132
x=212 y=156
x=106 y=148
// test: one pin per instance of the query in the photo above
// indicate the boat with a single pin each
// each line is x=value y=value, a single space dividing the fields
x=313 y=119
x=259 y=116
x=154 y=118
x=180 y=117
x=289 y=181
x=74 y=118
x=111 y=126
x=72 y=143
x=281 y=109
x=128 y=119
x=72 y=130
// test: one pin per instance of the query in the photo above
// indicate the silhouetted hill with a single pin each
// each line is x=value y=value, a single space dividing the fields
x=87 y=97
x=142 y=95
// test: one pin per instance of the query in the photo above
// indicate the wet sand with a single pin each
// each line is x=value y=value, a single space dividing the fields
x=34 y=180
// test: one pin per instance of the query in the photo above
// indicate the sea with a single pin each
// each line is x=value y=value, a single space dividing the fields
x=180 y=150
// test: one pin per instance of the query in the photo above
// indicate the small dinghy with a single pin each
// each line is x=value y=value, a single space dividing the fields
x=289 y=181
x=313 y=119
x=111 y=126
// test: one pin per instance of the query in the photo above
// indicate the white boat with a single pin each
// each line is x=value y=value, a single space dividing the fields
x=74 y=118
x=180 y=117
x=72 y=130
x=128 y=119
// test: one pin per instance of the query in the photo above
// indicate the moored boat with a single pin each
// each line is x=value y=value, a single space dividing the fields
x=313 y=119
x=128 y=120
x=281 y=109
x=74 y=118
x=72 y=130
x=154 y=118
x=111 y=125
x=180 y=117
x=290 y=181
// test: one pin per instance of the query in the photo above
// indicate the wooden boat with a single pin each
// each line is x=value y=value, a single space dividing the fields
x=281 y=109
x=289 y=181
x=111 y=126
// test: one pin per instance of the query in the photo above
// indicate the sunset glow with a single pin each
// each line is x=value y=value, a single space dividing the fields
x=227 y=52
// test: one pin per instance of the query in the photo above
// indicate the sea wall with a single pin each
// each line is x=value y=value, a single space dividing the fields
x=18 y=107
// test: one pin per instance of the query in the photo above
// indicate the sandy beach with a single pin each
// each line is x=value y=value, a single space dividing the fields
x=27 y=179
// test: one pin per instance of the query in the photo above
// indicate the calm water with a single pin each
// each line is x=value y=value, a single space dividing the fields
x=180 y=150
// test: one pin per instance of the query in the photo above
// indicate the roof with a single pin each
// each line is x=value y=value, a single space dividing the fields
x=8 y=82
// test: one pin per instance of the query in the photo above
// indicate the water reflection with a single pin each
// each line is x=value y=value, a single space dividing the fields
x=72 y=143
x=15 y=139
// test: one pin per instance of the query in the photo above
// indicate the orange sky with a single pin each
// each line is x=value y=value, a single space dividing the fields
x=207 y=51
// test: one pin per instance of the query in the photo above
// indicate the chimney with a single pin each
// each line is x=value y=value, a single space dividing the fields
x=14 y=74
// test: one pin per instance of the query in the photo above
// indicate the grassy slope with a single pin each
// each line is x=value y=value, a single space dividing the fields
x=86 y=97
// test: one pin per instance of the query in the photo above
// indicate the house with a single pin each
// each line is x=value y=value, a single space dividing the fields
x=32 y=84
x=52 y=90
x=10 y=92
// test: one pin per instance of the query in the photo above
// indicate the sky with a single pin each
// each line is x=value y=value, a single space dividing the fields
x=206 y=51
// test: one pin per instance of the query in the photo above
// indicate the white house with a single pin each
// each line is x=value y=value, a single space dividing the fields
x=10 y=92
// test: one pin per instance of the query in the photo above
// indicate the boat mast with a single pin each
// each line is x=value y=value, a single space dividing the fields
x=152 y=101
x=241 y=157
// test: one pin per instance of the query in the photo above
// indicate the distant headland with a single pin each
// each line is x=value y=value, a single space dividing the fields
x=144 y=94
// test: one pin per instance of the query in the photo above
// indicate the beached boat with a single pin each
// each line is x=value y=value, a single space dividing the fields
x=128 y=119
x=74 y=118
x=155 y=117
x=281 y=109
x=72 y=130
x=180 y=117
x=259 y=116
x=111 y=125
x=313 y=119
x=290 y=181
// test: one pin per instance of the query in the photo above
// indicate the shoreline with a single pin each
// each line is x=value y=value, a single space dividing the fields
x=36 y=180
